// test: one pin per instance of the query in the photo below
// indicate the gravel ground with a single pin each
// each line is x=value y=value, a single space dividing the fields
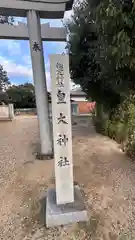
x=105 y=175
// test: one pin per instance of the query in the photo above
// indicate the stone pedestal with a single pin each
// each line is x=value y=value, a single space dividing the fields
x=6 y=112
x=65 y=213
x=11 y=111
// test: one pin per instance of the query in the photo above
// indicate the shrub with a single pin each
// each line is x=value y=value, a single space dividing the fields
x=130 y=146
x=117 y=131
x=120 y=126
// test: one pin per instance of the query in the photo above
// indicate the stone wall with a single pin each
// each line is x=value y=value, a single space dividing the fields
x=6 y=112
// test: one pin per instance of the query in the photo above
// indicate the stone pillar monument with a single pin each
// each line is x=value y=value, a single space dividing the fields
x=61 y=112
x=64 y=203
x=34 y=30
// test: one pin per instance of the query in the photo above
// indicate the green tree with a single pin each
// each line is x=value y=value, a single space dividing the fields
x=101 y=45
x=23 y=96
x=101 y=48
x=116 y=45
x=4 y=81
x=6 y=19
x=82 y=48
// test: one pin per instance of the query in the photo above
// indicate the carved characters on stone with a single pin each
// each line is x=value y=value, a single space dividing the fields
x=61 y=97
x=59 y=75
x=62 y=140
x=63 y=162
x=61 y=119
x=36 y=47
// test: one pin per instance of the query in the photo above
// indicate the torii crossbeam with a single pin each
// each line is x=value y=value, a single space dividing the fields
x=20 y=32
x=46 y=8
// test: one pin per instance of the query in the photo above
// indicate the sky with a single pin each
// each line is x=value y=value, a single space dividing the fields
x=15 y=55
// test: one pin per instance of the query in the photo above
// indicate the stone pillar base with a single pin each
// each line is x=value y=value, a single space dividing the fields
x=5 y=119
x=65 y=213
x=40 y=156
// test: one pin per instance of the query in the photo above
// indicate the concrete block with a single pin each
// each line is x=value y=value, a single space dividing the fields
x=65 y=213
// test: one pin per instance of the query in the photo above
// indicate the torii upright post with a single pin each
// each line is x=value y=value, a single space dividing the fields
x=34 y=30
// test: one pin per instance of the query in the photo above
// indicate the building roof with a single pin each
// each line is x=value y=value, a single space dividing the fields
x=78 y=93
x=75 y=93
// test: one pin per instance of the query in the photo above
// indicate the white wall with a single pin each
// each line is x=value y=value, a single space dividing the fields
x=4 y=112
x=7 y=112
x=79 y=99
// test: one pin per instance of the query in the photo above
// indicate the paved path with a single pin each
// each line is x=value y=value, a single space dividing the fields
x=105 y=174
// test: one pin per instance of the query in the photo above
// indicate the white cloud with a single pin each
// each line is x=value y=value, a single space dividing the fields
x=27 y=59
x=14 y=83
x=56 y=48
x=13 y=47
x=68 y=14
x=14 y=69
x=53 y=22
x=17 y=70
x=20 y=19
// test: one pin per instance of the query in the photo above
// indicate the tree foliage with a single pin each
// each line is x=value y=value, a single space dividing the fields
x=4 y=81
x=23 y=96
x=6 y=19
x=101 y=45
x=81 y=48
x=116 y=45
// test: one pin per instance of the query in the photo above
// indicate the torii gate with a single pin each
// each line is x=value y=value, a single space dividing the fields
x=34 y=10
